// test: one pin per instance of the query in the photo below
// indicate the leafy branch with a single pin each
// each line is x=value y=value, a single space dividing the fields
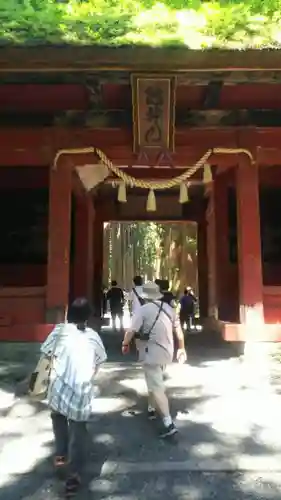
x=192 y=23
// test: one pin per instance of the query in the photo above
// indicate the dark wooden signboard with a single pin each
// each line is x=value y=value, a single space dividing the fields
x=153 y=112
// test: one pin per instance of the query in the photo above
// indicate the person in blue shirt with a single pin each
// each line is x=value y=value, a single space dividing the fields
x=187 y=308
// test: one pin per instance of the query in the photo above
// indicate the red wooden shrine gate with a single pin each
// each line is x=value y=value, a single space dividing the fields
x=236 y=290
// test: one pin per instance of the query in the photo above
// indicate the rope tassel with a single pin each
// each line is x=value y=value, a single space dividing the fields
x=151 y=201
x=207 y=174
x=184 y=198
x=122 y=193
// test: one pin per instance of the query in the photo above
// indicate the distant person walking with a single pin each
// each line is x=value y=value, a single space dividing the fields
x=116 y=299
x=187 y=308
x=153 y=324
x=78 y=354
x=136 y=299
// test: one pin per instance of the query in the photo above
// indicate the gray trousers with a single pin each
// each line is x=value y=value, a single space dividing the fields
x=71 y=440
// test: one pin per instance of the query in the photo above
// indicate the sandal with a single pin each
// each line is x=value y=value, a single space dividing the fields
x=60 y=464
x=72 y=485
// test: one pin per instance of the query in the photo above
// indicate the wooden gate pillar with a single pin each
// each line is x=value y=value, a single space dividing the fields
x=249 y=244
x=211 y=255
x=97 y=262
x=57 y=292
x=202 y=267
x=83 y=264
x=226 y=309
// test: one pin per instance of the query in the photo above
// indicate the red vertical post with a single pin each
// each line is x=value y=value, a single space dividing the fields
x=83 y=264
x=60 y=185
x=249 y=244
x=202 y=267
x=97 y=262
x=225 y=292
x=211 y=254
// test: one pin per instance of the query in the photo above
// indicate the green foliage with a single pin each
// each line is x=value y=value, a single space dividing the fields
x=153 y=250
x=192 y=23
x=146 y=240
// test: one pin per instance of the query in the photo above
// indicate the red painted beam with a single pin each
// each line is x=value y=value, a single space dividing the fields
x=58 y=97
x=116 y=96
x=120 y=156
x=193 y=211
x=256 y=95
x=246 y=96
x=34 y=97
x=38 y=147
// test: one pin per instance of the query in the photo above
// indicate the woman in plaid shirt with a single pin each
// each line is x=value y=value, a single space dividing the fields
x=78 y=354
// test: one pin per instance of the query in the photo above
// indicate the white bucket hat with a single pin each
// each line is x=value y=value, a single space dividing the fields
x=151 y=291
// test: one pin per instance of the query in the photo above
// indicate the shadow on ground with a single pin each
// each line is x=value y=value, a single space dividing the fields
x=126 y=459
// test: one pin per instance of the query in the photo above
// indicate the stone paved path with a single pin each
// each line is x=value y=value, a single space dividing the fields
x=229 y=445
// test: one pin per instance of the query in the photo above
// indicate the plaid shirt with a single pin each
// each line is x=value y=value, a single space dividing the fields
x=78 y=355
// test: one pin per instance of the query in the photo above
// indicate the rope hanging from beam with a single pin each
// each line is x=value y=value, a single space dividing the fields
x=179 y=180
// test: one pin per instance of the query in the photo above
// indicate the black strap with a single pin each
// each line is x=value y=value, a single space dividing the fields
x=141 y=335
x=140 y=299
x=156 y=318
x=160 y=309
x=167 y=314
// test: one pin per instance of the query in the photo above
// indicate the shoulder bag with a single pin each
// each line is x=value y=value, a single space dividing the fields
x=40 y=377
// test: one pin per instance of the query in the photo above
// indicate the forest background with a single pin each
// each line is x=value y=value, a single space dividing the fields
x=152 y=250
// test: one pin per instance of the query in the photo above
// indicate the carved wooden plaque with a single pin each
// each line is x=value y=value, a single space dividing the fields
x=153 y=112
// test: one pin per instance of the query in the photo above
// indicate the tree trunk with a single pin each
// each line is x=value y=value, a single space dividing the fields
x=168 y=251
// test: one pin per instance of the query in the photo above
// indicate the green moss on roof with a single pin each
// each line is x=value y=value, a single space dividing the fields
x=192 y=23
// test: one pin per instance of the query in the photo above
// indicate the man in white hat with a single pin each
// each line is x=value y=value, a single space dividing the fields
x=154 y=324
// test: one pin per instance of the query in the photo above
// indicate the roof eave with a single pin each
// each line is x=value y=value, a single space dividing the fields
x=135 y=59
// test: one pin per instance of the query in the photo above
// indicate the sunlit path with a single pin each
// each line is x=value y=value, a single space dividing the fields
x=126 y=320
x=224 y=426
